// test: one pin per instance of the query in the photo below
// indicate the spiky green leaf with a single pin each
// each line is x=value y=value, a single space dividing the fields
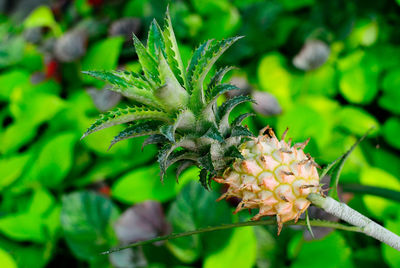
x=238 y=120
x=215 y=50
x=129 y=84
x=241 y=131
x=225 y=109
x=110 y=77
x=184 y=120
x=206 y=162
x=228 y=106
x=136 y=130
x=172 y=51
x=171 y=93
x=182 y=166
x=123 y=79
x=163 y=157
x=120 y=116
x=214 y=134
x=154 y=139
x=182 y=155
x=219 y=90
x=148 y=63
x=217 y=78
x=155 y=40
x=168 y=131
x=233 y=152
x=194 y=61
x=204 y=178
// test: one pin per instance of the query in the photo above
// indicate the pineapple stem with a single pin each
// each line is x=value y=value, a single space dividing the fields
x=317 y=223
x=366 y=225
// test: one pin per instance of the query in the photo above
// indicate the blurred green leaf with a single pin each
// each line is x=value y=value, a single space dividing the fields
x=357 y=121
x=296 y=4
x=11 y=168
x=103 y=55
x=42 y=201
x=365 y=33
x=336 y=146
x=194 y=208
x=336 y=172
x=356 y=162
x=26 y=256
x=305 y=122
x=221 y=24
x=138 y=8
x=38 y=221
x=11 y=138
x=386 y=55
x=382 y=158
x=144 y=184
x=105 y=169
x=378 y=206
x=391 y=131
x=358 y=77
x=10 y=80
x=6 y=260
x=39 y=106
x=210 y=6
x=54 y=160
x=391 y=94
x=320 y=81
x=266 y=246
x=372 y=190
x=274 y=78
x=358 y=85
x=33 y=59
x=83 y=7
x=86 y=218
x=23 y=227
x=392 y=256
x=11 y=50
x=43 y=17
x=330 y=252
x=240 y=251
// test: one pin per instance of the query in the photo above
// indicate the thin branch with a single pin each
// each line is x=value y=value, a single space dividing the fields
x=366 y=225
x=317 y=223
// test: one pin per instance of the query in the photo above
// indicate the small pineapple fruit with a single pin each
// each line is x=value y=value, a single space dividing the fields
x=178 y=110
x=273 y=176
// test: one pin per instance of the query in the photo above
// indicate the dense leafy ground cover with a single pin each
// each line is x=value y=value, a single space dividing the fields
x=328 y=70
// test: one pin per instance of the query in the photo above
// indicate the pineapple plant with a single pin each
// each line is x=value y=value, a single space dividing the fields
x=179 y=112
x=177 y=108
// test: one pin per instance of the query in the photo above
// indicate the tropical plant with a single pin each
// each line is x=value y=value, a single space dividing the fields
x=178 y=108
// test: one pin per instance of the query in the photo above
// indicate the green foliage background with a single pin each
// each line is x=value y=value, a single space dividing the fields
x=61 y=197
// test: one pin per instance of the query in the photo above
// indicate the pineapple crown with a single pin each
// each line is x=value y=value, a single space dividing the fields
x=176 y=107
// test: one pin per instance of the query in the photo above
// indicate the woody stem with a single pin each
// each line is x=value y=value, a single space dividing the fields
x=366 y=225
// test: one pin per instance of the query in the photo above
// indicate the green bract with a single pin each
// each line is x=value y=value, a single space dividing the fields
x=177 y=108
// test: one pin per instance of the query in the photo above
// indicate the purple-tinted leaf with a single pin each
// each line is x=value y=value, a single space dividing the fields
x=312 y=55
x=71 y=46
x=104 y=99
x=124 y=27
x=140 y=222
x=266 y=103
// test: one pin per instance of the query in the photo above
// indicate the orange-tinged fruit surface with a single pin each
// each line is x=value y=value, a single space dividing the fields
x=274 y=177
